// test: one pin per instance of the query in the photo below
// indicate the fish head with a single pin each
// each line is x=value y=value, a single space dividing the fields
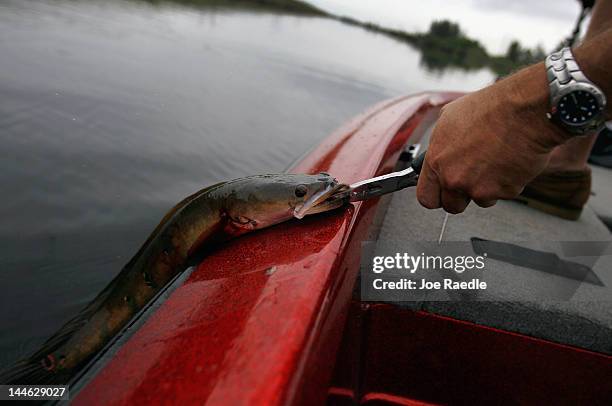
x=265 y=200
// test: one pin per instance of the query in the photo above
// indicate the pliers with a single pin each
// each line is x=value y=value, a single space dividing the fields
x=389 y=183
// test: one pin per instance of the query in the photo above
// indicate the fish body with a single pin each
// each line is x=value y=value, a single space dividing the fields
x=212 y=215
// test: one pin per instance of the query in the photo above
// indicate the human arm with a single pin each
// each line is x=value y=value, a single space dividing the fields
x=489 y=144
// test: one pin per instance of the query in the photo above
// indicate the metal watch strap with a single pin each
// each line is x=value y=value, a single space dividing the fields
x=563 y=72
x=561 y=69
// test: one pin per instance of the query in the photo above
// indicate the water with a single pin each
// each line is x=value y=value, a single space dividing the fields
x=111 y=112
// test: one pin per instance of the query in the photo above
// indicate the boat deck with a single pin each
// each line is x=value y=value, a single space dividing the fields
x=519 y=299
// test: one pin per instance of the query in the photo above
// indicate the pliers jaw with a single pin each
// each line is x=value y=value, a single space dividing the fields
x=381 y=185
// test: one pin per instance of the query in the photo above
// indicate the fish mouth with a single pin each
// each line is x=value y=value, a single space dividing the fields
x=331 y=197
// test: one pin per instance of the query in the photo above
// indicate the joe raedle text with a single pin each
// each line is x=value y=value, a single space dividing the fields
x=423 y=284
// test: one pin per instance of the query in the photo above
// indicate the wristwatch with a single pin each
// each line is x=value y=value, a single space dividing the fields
x=576 y=104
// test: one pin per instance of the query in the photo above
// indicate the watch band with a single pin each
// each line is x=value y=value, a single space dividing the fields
x=564 y=74
x=561 y=69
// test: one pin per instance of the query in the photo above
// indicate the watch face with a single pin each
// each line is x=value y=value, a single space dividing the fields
x=577 y=107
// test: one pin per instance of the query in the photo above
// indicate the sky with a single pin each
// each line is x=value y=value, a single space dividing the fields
x=495 y=23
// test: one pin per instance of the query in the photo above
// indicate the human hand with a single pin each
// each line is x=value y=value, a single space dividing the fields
x=489 y=144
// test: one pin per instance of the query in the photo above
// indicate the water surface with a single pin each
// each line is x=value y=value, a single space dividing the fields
x=112 y=111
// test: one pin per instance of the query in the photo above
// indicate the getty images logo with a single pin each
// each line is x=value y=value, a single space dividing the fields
x=414 y=263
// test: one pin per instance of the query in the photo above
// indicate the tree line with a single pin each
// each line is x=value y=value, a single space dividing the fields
x=445 y=45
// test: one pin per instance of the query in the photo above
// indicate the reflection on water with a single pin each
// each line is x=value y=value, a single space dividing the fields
x=111 y=111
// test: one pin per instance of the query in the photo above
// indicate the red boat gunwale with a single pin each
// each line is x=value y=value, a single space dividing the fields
x=260 y=320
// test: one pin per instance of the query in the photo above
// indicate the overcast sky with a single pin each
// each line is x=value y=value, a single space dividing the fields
x=494 y=22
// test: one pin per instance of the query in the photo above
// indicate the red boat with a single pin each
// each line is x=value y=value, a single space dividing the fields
x=275 y=317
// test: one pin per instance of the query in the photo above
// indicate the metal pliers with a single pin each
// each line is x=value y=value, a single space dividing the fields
x=391 y=182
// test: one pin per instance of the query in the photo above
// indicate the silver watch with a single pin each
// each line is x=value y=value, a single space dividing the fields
x=576 y=103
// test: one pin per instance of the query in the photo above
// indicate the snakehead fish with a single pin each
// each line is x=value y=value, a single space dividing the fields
x=212 y=215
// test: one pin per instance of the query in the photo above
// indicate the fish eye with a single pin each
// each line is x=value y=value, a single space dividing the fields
x=301 y=191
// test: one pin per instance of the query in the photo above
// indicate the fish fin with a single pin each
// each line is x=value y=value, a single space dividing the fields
x=31 y=370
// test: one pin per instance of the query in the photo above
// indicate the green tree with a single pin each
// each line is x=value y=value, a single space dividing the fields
x=445 y=29
x=514 y=53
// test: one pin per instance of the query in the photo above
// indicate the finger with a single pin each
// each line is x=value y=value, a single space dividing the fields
x=485 y=203
x=454 y=202
x=428 y=188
